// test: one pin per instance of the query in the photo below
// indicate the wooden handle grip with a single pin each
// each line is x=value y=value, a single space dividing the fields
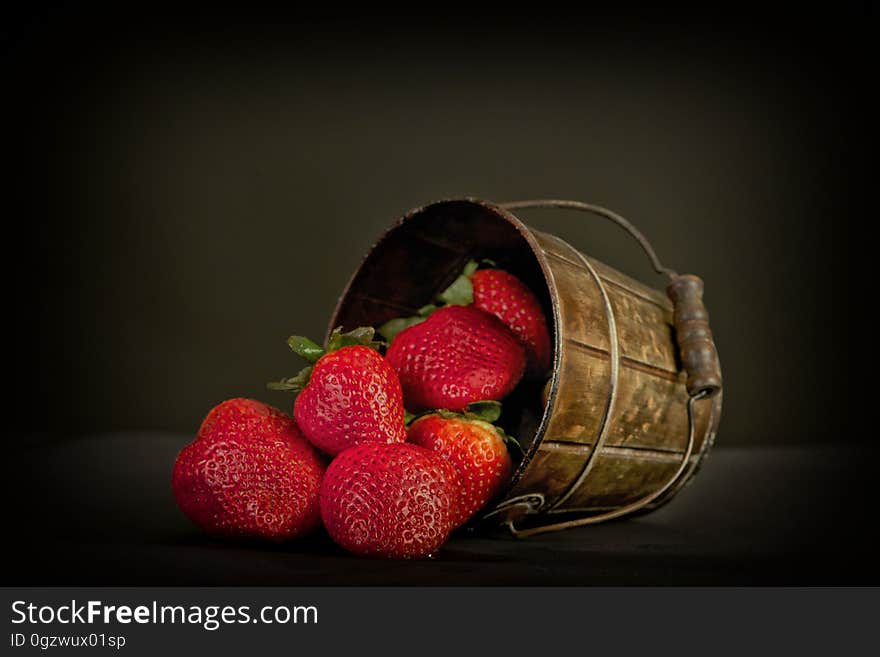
x=695 y=344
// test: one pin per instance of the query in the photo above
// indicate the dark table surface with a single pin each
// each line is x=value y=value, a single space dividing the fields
x=99 y=511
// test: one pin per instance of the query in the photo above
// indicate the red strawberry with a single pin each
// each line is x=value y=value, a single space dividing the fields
x=351 y=395
x=505 y=296
x=475 y=447
x=395 y=501
x=249 y=474
x=238 y=417
x=456 y=356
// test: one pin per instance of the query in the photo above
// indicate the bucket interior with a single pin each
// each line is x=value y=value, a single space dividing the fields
x=422 y=254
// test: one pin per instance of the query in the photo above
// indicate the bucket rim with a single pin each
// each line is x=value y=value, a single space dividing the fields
x=526 y=234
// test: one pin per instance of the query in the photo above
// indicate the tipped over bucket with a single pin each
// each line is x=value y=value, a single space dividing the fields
x=634 y=399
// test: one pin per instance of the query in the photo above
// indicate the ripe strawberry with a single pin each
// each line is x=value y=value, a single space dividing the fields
x=239 y=417
x=505 y=296
x=249 y=474
x=501 y=294
x=350 y=396
x=395 y=501
x=475 y=447
x=456 y=356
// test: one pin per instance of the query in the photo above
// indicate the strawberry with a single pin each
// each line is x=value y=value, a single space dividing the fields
x=505 y=296
x=475 y=447
x=249 y=474
x=498 y=293
x=396 y=501
x=237 y=417
x=456 y=356
x=350 y=396
x=502 y=294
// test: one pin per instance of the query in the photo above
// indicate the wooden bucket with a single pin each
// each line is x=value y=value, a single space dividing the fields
x=633 y=403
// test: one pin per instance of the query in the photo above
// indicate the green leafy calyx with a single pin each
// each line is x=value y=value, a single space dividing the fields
x=312 y=352
x=294 y=384
x=305 y=348
x=486 y=410
x=392 y=327
x=461 y=291
x=362 y=336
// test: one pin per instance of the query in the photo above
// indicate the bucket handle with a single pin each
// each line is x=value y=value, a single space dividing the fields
x=696 y=345
x=696 y=348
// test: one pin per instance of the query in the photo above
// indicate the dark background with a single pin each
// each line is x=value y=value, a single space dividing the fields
x=194 y=185
x=188 y=185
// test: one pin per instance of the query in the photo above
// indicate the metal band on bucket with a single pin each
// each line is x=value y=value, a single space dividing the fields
x=614 y=351
x=694 y=395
